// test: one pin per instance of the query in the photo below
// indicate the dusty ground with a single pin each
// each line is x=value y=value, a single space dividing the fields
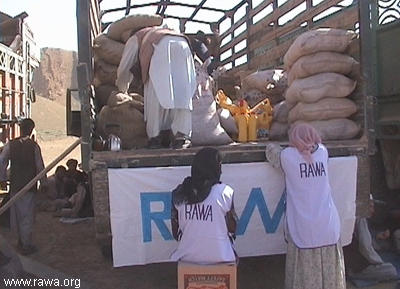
x=72 y=250
x=50 y=119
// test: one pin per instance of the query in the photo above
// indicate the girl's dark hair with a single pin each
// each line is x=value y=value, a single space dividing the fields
x=205 y=172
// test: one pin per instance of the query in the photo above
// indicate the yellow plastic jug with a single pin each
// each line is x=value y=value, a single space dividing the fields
x=241 y=121
x=252 y=127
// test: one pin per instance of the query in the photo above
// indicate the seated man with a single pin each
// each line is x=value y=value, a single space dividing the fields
x=73 y=177
x=77 y=202
x=77 y=206
x=362 y=260
x=51 y=190
x=73 y=171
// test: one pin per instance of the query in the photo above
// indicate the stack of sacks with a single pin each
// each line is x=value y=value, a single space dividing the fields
x=123 y=117
x=319 y=81
x=264 y=84
x=279 y=127
x=108 y=48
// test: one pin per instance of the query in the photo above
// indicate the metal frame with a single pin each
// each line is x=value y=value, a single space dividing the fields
x=260 y=38
x=84 y=73
x=384 y=18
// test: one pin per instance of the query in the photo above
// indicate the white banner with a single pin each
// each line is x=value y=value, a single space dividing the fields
x=140 y=204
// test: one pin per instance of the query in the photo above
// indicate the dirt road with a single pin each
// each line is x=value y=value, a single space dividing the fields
x=72 y=250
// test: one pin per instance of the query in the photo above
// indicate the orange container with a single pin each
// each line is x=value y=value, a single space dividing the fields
x=252 y=127
x=241 y=121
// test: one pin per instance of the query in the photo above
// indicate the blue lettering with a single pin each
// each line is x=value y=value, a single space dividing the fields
x=158 y=217
x=256 y=198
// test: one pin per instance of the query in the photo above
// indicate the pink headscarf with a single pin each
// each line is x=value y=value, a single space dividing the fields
x=303 y=137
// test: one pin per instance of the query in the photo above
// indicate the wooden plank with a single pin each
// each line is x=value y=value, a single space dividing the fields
x=271 y=56
x=260 y=7
x=234 y=56
x=231 y=44
x=248 y=26
x=234 y=153
x=276 y=14
x=233 y=27
x=243 y=20
x=303 y=17
x=344 y=20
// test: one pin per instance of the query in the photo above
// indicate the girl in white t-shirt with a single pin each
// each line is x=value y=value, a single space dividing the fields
x=314 y=258
x=203 y=218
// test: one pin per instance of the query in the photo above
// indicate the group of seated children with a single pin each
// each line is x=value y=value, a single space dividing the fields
x=66 y=192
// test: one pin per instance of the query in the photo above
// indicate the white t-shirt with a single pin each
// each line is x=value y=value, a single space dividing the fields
x=204 y=232
x=312 y=217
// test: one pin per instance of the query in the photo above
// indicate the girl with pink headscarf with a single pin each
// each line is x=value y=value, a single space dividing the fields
x=314 y=258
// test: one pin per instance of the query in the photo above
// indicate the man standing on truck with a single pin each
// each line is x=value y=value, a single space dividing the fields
x=165 y=64
x=26 y=162
x=199 y=46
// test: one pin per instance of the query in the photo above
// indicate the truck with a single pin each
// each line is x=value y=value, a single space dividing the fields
x=253 y=35
x=19 y=56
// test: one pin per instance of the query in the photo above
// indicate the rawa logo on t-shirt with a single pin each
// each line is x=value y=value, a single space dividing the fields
x=308 y=170
x=199 y=212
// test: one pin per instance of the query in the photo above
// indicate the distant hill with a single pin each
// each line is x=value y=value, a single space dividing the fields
x=49 y=117
x=56 y=73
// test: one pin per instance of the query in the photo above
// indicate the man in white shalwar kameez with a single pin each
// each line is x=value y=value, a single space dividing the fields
x=169 y=82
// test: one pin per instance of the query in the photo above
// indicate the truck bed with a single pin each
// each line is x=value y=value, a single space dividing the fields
x=232 y=153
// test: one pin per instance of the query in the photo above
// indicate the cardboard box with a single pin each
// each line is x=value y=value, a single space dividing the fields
x=218 y=276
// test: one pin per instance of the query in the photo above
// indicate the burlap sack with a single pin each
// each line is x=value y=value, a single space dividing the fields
x=132 y=22
x=320 y=62
x=227 y=122
x=137 y=96
x=327 y=108
x=124 y=121
x=104 y=72
x=207 y=129
x=265 y=80
x=102 y=94
x=117 y=98
x=127 y=34
x=108 y=49
x=281 y=112
x=252 y=96
x=318 y=40
x=278 y=131
x=335 y=129
x=322 y=85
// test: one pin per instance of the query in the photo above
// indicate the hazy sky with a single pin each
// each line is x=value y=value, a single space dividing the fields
x=53 y=22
